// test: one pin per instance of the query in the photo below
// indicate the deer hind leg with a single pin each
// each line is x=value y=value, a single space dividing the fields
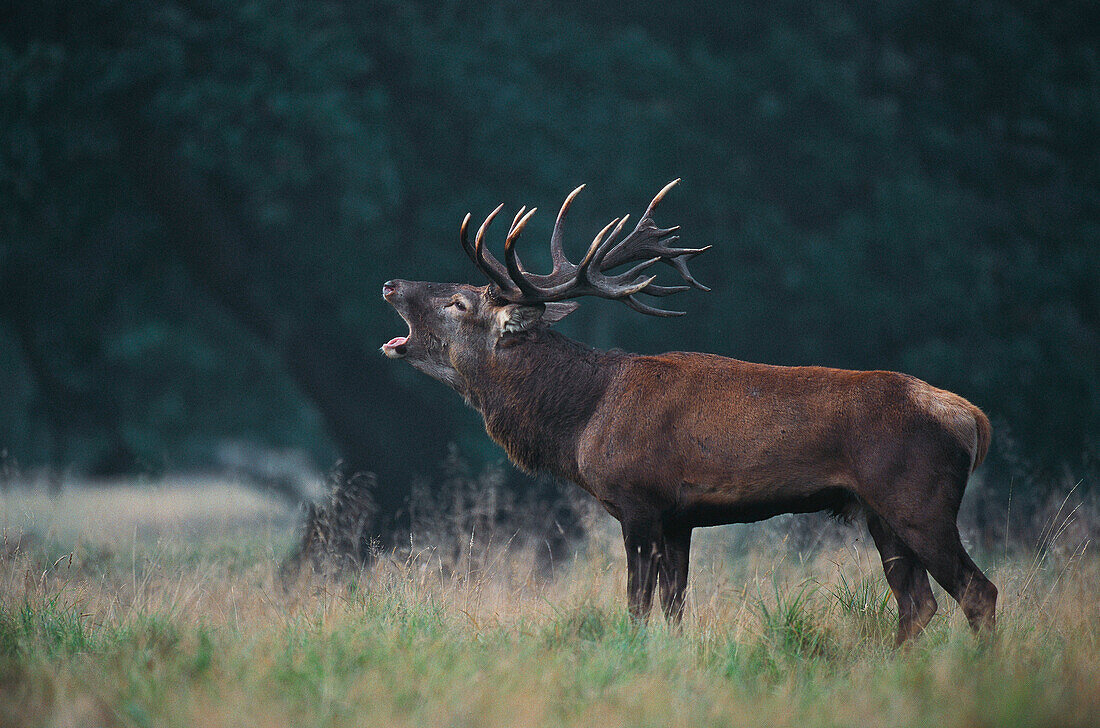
x=931 y=532
x=672 y=569
x=941 y=549
x=644 y=544
x=907 y=578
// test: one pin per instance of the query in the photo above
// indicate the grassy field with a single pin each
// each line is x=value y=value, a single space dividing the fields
x=164 y=606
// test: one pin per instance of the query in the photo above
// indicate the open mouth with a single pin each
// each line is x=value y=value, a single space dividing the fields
x=398 y=346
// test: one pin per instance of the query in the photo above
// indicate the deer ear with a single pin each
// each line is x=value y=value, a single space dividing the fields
x=516 y=318
x=557 y=311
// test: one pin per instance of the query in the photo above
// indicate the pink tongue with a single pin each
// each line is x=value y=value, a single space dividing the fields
x=396 y=342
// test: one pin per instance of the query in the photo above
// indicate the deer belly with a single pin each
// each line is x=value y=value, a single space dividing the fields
x=707 y=507
x=743 y=480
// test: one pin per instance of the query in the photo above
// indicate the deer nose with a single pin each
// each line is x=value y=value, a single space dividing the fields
x=388 y=289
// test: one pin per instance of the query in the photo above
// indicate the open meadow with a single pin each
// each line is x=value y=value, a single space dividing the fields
x=168 y=604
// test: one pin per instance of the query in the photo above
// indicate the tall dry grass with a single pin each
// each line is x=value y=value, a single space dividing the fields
x=194 y=620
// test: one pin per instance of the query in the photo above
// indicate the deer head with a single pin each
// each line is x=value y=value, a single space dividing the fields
x=454 y=327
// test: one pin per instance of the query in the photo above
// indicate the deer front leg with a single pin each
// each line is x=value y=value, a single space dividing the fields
x=643 y=551
x=673 y=568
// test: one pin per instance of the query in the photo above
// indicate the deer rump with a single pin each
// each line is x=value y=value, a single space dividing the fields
x=672 y=442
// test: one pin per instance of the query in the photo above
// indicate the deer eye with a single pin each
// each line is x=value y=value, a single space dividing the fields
x=457 y=303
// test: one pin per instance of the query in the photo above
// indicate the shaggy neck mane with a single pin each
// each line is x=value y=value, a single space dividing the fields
x=537 y=395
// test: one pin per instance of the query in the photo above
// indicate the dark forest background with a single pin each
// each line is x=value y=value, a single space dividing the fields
x=200 y=199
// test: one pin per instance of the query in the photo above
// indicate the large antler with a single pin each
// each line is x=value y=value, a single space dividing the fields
x=647 y=243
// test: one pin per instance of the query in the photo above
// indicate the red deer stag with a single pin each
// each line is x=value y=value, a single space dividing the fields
x=671 y=442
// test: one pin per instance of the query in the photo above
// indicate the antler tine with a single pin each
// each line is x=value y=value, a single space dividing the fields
x=630 y=289
x=660 y=196
x=680 y=264
x=511 y=259
x=465 y=240
x=485 y=261
x=594 y=248
x=665 y=290
x=557 y=251
x=485 y=225
x=609 y=243
x=640 y=307
x=519 y=214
